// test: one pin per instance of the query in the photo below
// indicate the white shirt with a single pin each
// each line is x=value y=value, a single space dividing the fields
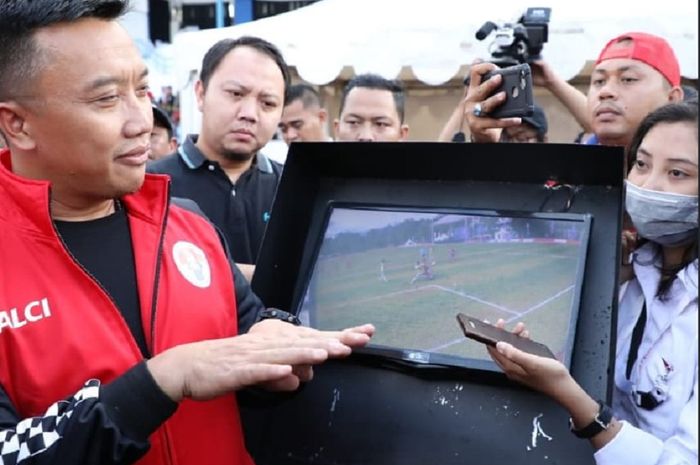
x=667 y=365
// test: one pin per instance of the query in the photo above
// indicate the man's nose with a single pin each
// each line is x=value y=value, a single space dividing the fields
x=292 y=134
x=248 y=109
x=365 y=134
x=609 y=89
x=139 y=116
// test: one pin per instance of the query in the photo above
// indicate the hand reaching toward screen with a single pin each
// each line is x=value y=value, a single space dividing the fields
x=349 y=338
x=274 y=354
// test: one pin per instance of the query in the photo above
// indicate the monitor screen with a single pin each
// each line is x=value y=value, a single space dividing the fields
x=409 y=271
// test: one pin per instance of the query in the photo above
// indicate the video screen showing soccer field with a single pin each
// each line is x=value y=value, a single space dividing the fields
x=410 y=273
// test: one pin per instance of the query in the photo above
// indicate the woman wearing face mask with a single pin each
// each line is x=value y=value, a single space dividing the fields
x=654 y=415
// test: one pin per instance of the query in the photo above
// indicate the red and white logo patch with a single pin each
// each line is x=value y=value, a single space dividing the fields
x=192 y=263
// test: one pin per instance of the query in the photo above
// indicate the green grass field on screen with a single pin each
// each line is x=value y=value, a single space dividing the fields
x=533 y=282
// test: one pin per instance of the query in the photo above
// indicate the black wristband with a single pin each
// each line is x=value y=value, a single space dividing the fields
x=600 y=422
x=278 y=314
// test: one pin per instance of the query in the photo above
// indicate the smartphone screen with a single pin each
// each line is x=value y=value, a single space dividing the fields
x=489 y=334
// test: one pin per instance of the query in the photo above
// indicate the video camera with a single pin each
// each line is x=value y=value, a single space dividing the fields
x=520 y=42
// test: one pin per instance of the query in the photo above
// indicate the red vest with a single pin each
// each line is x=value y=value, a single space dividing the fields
x=58 y=328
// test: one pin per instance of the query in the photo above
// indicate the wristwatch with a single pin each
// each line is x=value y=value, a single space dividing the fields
x=277 y=314
x=601 y=422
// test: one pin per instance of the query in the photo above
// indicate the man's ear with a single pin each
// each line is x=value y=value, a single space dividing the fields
x=404 y=131
x=15 y=127
x=199 y=92
x=336 y=124
x=676 y=94
x=322 y=116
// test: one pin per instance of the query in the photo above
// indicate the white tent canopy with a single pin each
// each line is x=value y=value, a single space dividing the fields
x=435 y=38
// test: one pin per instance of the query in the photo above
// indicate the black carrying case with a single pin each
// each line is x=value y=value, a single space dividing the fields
x=368 y=410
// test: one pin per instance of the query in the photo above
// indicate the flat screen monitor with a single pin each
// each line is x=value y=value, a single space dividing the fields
x=409 y=271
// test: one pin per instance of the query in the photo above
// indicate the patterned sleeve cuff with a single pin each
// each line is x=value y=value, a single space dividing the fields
x=135 y=403
x=35 y=435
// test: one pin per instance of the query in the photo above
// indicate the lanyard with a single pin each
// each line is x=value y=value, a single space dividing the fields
x=644 y=400
x=637 y=335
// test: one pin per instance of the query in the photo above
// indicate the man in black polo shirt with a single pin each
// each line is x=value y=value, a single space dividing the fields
x=241 y=94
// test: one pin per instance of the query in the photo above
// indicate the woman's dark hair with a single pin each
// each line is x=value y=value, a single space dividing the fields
x=686 y=112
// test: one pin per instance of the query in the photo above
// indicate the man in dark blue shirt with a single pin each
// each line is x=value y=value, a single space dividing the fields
x=241 y=94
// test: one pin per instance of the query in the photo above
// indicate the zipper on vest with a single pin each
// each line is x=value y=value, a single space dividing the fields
x=167 y=441
x=156 y=283
x=96 y=281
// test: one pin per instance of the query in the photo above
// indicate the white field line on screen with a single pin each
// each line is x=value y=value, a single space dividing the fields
x=475 y=298
x=431 y=286
x=447 y=344
x=541 y=304
x=510 y=320
x=380 y=297
x=391 y=267
x=528 y=254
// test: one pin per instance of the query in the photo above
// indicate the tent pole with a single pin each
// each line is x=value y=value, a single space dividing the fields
x=219 y=13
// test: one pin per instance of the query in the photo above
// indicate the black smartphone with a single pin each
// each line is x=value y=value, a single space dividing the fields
x=490 y=335
x=517 y=84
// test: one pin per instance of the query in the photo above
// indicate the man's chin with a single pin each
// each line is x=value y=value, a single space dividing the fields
x=610 y=130
x=239 y=155
x=612 y=137
x=129 y=185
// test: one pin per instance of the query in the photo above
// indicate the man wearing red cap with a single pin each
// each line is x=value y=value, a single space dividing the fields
x=634 y=74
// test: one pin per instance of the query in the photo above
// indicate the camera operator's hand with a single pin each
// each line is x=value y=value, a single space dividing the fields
x=542 y=74
x=574 y=100
x=479 y=102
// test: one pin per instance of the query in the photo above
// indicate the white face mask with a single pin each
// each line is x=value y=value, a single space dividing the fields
x=662 y=217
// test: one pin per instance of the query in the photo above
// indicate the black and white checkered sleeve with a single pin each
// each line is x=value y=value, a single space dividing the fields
x=34 y=436
x=105 y=424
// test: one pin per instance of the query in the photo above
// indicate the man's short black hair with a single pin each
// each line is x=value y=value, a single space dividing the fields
x=217 y=52
x=690 y=93
x=20 y=58
x=161 y=119
x=307 y=94
x=537 y=121
x=374 y=81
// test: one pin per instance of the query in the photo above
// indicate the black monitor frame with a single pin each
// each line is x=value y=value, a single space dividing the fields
x=355 y=401
x=480 y=176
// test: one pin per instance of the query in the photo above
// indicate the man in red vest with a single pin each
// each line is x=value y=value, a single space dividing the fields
x=125 y=328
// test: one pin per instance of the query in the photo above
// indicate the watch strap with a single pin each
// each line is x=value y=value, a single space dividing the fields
x=277 y=314
x=600 y=422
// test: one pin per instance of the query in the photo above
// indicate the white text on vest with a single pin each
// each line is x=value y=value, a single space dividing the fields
x=33 y=312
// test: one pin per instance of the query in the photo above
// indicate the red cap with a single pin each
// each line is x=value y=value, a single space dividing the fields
x=647 y=48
